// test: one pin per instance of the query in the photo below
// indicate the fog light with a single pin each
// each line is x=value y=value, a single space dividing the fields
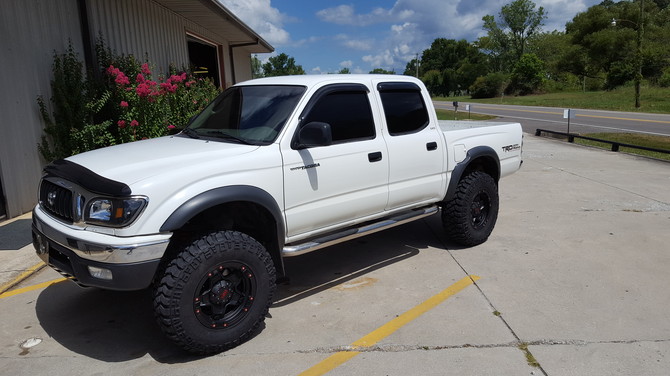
x=100 y=273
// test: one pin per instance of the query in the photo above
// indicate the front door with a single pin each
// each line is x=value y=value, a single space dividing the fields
x=343 y=182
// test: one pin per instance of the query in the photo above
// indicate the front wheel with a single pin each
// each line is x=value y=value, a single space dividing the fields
x=215 y=293
x=470 y=216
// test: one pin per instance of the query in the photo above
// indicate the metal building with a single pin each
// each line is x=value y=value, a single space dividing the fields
x=178 y=32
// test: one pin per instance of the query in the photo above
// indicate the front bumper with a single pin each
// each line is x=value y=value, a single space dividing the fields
x=107 y=262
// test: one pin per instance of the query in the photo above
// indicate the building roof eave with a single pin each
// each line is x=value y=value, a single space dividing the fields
x=216 y=18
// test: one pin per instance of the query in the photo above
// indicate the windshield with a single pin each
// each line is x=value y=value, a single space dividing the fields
x=251 y=115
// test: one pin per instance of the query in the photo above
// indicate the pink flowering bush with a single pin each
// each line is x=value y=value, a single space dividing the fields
x=126 y=101
x=151 y=107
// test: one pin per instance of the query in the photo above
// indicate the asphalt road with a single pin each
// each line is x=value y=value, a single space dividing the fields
x=585 y=121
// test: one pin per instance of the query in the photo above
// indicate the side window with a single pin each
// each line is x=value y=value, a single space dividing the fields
x=404 y=108
x=347 y=112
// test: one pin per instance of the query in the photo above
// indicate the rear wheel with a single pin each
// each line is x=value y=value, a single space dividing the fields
x=215 y=293
x=470 y=216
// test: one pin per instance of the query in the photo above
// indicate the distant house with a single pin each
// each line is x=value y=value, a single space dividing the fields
x=180 y=32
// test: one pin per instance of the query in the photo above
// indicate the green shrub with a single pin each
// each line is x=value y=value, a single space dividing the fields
x=489 y=86
x=664 y=81
x=528 y=75
x=70 y=103
x=122 y=102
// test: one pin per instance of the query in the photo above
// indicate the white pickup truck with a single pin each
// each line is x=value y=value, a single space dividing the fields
x=272 y=168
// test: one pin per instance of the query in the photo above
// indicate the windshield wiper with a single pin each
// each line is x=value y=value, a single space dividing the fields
x=229 y=136
x=190 y=132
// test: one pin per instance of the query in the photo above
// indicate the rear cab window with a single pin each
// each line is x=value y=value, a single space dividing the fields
x=404 y=108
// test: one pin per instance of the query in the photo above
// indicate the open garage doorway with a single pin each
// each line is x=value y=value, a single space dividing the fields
x=204 y=59
x=3 y=207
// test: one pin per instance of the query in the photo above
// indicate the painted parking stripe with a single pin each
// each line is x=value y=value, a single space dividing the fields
x=389 y=328
x=23 y=276
x=31 y=288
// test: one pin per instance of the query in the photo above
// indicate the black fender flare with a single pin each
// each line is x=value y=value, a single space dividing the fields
x=222 y=195
x=472 y=155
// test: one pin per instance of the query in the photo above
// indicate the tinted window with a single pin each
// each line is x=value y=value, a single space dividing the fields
x=405 y=111
x=348 y=114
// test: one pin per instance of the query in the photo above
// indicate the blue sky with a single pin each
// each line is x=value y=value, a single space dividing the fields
x=326 y=36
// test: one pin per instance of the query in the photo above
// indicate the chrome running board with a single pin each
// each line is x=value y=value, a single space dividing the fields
x=357 y=232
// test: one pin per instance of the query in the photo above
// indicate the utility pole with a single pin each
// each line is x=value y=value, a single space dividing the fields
x=638 y=74
x=416 y=63
x=638 y=52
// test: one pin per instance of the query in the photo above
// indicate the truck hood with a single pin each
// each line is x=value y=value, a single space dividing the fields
x=132 y=162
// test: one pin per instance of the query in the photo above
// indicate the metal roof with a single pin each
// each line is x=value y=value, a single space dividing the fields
x=218 y=19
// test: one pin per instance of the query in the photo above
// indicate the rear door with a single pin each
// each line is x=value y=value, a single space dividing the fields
x=415 y=145
x=346 y=181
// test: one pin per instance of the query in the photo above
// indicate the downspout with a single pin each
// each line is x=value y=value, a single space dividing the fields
x=85 y=35
x=232 y=57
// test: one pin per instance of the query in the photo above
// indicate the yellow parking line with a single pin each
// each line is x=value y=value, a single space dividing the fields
x=22 y=276
x=31 y=288
x=389 y=328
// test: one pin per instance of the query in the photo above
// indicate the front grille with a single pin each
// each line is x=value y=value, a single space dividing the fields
x=56 y=200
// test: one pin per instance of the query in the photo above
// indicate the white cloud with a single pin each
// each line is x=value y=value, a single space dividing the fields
x=361 y=45
x=267 y=21
x=346 y=15
x=346 y=64
x=414 y=24
x=382 y=60
x=407 y=27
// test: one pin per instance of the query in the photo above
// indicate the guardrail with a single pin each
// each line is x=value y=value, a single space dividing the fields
x=615 y=145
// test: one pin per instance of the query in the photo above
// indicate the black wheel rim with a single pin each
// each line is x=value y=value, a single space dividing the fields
x=225 y=295
x=481 y=207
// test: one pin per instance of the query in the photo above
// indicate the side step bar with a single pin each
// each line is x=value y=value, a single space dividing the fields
x=357 y=232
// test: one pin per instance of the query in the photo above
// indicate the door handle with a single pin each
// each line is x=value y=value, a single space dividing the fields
x=375 y=157
x=431 y=146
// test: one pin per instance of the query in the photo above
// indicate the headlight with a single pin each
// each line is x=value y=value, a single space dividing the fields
x=114 y=212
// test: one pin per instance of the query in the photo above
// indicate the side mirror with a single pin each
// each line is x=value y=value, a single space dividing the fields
x=314 y=134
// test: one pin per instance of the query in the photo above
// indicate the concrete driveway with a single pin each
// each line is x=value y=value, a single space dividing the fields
x=573 y=281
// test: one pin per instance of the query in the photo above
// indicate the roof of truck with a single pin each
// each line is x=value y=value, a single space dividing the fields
x=312 y=80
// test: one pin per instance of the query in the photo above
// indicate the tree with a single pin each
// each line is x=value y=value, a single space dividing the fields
x=508 y=37
x=607 y=48
x=527 y=75
x=444 y=54
x=433 y=81
x=282 y=65
x=381 y=71
x=344 y=71
x=459 y=63
x=412 y=68
x=256 y=67
x=559 y=57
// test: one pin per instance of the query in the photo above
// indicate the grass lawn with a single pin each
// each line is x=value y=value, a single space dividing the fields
x=656 y=142
x=652 y=99
x=460 y=115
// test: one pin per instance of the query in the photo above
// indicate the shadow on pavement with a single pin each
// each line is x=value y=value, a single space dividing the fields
x=326 y=268
x=110 y=326
x=115 y=326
